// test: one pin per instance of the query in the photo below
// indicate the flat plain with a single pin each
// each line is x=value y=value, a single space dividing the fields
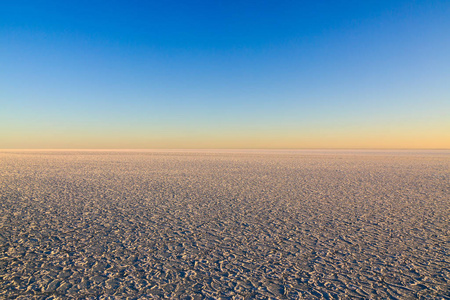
x=225 y=224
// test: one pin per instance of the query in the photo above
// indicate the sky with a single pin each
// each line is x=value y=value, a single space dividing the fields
x=224 y=74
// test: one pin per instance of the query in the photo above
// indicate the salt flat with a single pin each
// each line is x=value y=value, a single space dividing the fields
x=225 y=224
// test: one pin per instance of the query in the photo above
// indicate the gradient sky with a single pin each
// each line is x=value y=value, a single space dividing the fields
x=224 y=74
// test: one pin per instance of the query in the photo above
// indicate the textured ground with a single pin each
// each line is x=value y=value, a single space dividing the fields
x=308 y=224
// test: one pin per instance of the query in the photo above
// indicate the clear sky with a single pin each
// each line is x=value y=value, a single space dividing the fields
x=224 y=74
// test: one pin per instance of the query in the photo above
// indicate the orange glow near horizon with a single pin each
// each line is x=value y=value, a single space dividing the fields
x=313 y=139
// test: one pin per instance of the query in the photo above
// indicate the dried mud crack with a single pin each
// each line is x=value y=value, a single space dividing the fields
x=230 y=225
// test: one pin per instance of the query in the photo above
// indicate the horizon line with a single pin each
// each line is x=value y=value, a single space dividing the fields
x=212 y=149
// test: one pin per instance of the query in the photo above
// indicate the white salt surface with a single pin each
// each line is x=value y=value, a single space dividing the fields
x=224 y=224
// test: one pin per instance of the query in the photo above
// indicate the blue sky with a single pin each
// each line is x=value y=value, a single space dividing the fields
x=225 y=74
